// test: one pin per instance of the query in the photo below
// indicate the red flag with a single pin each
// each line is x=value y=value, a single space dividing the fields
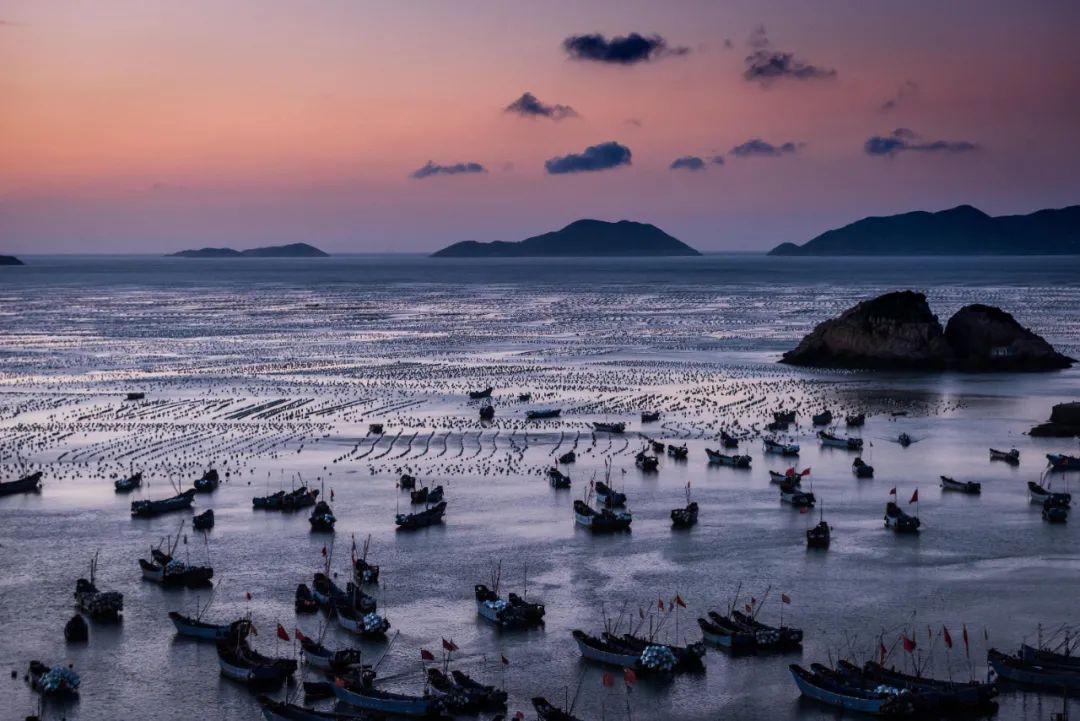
x=892 y=492
x=449 y=645
x=629 y=677
x=909 y=645
x=914 y=496
x=753 y=601
x=505 y=660
x=282 y=633
x=248 y=595
x=339 y=682
x=804 y=509
x=607 y=679
x=806 y=472
x=519 y=716
x=679 y=601
x=947 y=636
x=790 y=471
x=882 y=651
x=426 y=655
x=967 y=650
x=324 y=551
x=660 y=604
x=785 y=598
x=299 y=636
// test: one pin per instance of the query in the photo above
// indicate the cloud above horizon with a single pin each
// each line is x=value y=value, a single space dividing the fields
x=766 y=64
x=694 y=162
x=908 y=91
x=756 y=147
x=904 y=140
x=432 y=168
x=620 y=50
x=529 y=106
x=603 y=156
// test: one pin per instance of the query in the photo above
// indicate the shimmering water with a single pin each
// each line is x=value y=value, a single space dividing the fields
x=336 y=344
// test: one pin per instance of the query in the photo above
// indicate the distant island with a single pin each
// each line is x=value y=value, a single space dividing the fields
x=960 y=231
x=582 y=238
x=10 y=260
x=293 y=250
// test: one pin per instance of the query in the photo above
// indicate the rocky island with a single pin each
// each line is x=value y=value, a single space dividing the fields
x=10 y=260
x=582 y=238
x=963 y=230
x=1064 y=422
x=293 y=250
x=899 y=331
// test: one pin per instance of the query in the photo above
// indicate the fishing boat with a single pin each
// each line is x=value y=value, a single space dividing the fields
x=524 y=397
x=148 y=509
x=728 y=441
x=546 y=712
x=26 y=484
x=240 y=662
x=790 y=475
x=606 y=652
x=557 y=478
x=375 y=429
x=901 y=522
x=487 y=412
x=203 y=521
x=605 y=427
x=1015 y=669
x=1046 y=657
x=196 y=628
x=772 y=445
x=687 y=658
x=208 y=483
x=725 y=460
x=720 y=631
x=319 y=656
x=477 y=395
x=1059 y=462
x=832 y=440
x=427 y=494
x=784 y=416
x=52 y=681
x=602 y=520
x=329 y=595
x=301 y=497
x=304 y=600
x=322 y=518
x=515 y=613
x=658 y=446
x=970 y=487
x=135 y=396
x=679 y=453
x=568 y=457
x=364 y=624
x=685 y=517
x=540 y=414
x=768 y=638
x=271 y=502
x=650 y=416
x=1011 y=457
x=905 y=440
x=855 y=420
x=487 y=697
x=406 y=482
x=862 y=469
x=98 y=605
x=608 y=496
x=171 y=572
x=364 y=572
x=822 y=419
x=1040 y=494
x=76 y=630
x=792 y=493
x=819 y=536
x=1055 y=512
x=945 y=696
x=777 y=426
x=126 y=485
x=830 y=691
x=421 y=519
x=284 y=711
x=354 y=693
x=646 y=462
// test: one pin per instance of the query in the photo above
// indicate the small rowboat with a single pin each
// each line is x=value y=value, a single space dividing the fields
x=855 y=420
x=819 y=536
x=125 y=485
x=98 y=605
x=1059 y=462
x=604 y=427
x=477 y=395
x=149 y=509
x=970 y=487
x=76 y=630
x=568 y=457
x=784 y=449
x=728 y=441
x=678 y=452
x=514 y=613
x=209 y=482
x=422 y=519
x=822 y=419
x=194 y=628
x=1039 y=495
x=900 y=522
x=242 y=663
x=646 y=462
x=834 y=441
x=174 y=573
x=203 y=521
x=658 y=446
x=685 y=517
x=790 y=476
x=318 y=656
x=373 y=699
x=322 y=518
x=830 y=690
x=366 y=625
x=726 y=460
x=1011 y=457
x=603 y=520
x=26 y=484
x=407 y=482
x=650 y=416
x=542 y=414
x=792 y=494
x=487 y=412
x=862 y=469
x=601 y=651
x=720 y=631
x=558 y=479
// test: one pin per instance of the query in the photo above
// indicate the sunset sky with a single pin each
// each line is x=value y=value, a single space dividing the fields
x=144 y=126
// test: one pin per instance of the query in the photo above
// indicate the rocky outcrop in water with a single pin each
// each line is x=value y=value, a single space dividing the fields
x=899 y=331
x=1064 y=422
x=292 y=250
x=10 y=260
x=582 y=238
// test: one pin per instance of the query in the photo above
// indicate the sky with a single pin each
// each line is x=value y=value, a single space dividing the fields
x=406 y=125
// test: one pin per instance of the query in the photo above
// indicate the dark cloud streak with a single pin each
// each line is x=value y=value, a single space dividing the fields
x=756 y=147
x=529 y=106
x=903 y=140
x=765 y=64
x=620 y=50
x=595 y=157
x=431 y=168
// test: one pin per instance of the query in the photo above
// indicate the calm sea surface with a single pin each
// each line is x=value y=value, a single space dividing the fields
x=271 y=370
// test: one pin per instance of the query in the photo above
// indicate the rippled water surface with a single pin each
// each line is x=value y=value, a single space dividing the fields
x=269 y=370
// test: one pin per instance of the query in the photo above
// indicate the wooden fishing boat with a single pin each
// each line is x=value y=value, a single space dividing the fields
x=52 y=681
x=125 y=485
x=899 y=521
x=687 y=658
x=26 y=484
x=784 y=416
x=1012 y=668
x=946 y=696
x=329 y=594
x=487 y=412
x=650 y=416
x=268 y=503
x=568 y=457
x=1011 y=457
x=546 y=712
x=162 y=568
x=970 y=487
x=608 y=496
x=305 y=600
x=728 y=441
x=601 y=651
x=832 y=692
x=832 y=440
x=195 y=628
x=862 y=469
x=322 y=518
x=725 y=460
x=542 y=414
x=477 y=395
x=720 y=631
x=76 y=630
x=208 y=483
x=1046 y=657
x=646 y=462
x=685 y=517
x=375 y=429
x=203 y=521
x=488 y=697
x=148 y=509
x=777 y=426
x=427 y=494
x=1060 y=462
x=768 y=638
x=98 y=605
x=772 y=445
x=658 y=446
x=1055 y=512
x=422 y=519
x=1040 y=495
x=284 y=711
x=602 y=520
x=513 y=613
x=905 y=440
x=364 y=572
x=135 y=396
x=365 y=624
x=819 y=536
x=822 y=419
x=299 y=498
x=239 y=662
x=855 y=420
x=319 y=656
x=679 y=453
x=788 y=476
x=353 y=693
x=524 y=397
x=793 y=494
x=406 y=482
x=605 y=427
x=557 y=478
